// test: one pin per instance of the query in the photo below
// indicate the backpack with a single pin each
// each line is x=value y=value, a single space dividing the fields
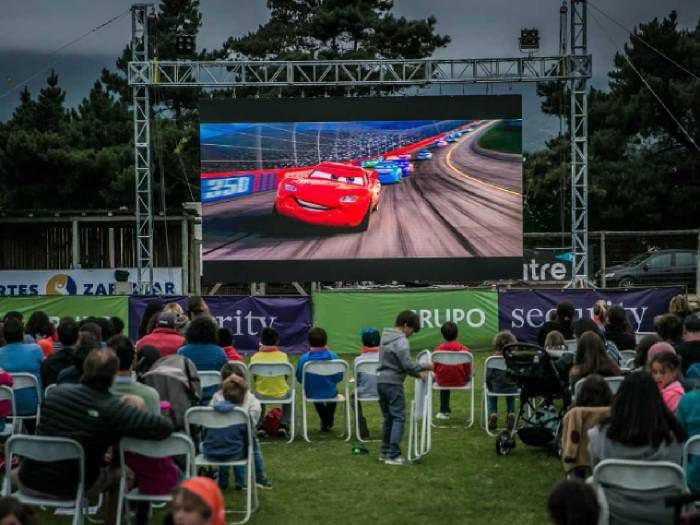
x=272 y=422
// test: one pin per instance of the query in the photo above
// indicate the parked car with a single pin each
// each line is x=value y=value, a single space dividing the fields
x=657 y=267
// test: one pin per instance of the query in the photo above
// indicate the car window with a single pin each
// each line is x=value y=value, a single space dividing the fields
x=686 y=259
x=324 y=175
x=659 y=261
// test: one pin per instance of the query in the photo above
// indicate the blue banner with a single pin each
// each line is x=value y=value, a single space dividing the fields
x=246 y=317
x=523 y=312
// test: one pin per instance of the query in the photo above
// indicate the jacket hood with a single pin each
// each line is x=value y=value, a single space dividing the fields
x=224 y=406
x=675 y=388
x=390 y=335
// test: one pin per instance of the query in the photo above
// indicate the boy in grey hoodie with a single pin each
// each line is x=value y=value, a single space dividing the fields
x=394 y=364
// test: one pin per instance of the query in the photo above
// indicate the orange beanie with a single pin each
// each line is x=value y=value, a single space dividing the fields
x=208 y=490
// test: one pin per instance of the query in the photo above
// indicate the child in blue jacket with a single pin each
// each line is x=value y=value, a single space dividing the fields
x=318 y=386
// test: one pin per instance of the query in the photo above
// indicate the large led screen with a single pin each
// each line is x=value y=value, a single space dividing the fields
x=384 y=189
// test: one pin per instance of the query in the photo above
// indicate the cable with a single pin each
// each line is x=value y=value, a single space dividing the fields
x=634 y=35
x=644 y=81
x=57 y=51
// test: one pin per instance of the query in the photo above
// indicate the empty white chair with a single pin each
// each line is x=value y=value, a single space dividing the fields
x=653 y=479
x=420 y=415
x=639 y=335
x=369 y=368
x=44 y=448
x=26 y=381
x=457 y=359
x=495 y=362
x=326 y=368
x=7 y=394
x=208 y=418
x=277 y=370
x=177 y=444
x=628 y=355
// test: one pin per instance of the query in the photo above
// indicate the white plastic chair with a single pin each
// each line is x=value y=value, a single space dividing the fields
x=369 y=368
x=456 y=359
x=495 y=362
x=21 y=381
x=43 y=448
x=420 y=437
x=178 y=444
x=325 y=368
x=7 y=394
x=628 y=355
x=646 y=476
x=207 y=417
x=570 y=345
x=49 y=389
x=639 y=335
x=277 y=370
x=613 y=382
x=209 y=378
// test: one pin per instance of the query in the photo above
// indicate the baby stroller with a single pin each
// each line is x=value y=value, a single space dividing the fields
x=544 y=398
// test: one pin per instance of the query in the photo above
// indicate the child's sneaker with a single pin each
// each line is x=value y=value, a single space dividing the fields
x=493 y=422
x=264 y=484
x=443 y=415
x=398 y=460
x=511 y=421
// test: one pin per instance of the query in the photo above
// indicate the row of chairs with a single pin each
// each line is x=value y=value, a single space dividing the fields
x=43 y=448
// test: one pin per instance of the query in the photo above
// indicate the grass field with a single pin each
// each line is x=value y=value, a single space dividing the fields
x=503 y=138
x=462 y=480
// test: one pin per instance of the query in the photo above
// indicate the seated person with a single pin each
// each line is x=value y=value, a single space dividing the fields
x=573 y=502
x=592 y=358
x=450 y=375
x=499 y=382
x=367 y=383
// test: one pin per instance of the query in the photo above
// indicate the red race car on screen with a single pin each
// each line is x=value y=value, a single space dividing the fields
x=330 y=194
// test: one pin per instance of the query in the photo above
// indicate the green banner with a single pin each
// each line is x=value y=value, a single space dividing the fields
x=344 y=314
x=76 y=306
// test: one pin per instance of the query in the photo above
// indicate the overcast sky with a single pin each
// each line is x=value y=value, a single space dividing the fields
x=31 y=29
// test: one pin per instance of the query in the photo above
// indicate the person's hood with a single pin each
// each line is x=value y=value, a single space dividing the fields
x=224 y=406
x=675 y=388
x=319 y=354
x=209 y=492
x=390 y=335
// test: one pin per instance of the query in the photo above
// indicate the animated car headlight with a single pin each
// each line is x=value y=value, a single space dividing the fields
x=348 y=199
x=290 y=187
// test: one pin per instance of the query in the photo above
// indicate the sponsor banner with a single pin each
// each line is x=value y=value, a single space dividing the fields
x=245 y=317
x=76 y=307
x=523 y=312
x=167 y=281
x=547 y=265
x=344 y=314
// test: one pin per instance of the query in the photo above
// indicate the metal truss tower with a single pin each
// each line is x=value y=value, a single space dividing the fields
x=145 y=73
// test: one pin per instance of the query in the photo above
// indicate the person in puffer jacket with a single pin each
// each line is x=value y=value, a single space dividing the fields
x=450 y=375
x=665 y=368
x=318 y=386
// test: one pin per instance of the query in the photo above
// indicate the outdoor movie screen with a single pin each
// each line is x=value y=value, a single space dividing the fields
x=382 y=189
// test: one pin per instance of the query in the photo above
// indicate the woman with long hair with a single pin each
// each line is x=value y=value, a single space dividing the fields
x=592 y=358
x=640 y=427
x=618 y=328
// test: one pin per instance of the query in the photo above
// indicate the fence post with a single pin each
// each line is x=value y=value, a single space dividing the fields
x=603 y=283
x=75 y=244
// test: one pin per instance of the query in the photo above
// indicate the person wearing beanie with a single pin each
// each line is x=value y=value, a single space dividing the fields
x=165 y=336
x=197 y=501
x=659 y=348
x=366 y=383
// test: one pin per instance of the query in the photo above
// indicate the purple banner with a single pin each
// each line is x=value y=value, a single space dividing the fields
x=245 y=317
x=523 y=312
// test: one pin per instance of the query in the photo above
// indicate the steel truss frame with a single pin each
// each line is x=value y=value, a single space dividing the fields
x=144 y=74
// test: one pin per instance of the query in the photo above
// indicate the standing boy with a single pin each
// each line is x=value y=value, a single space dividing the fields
x=394 y=364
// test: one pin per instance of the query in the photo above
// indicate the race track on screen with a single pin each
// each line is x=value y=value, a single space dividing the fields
x=464 y=202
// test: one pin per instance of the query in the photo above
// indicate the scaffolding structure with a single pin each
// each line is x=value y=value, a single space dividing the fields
x=145 y=74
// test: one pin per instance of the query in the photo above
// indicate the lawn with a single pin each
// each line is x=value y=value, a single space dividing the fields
x=462 y=480
x=503 y=138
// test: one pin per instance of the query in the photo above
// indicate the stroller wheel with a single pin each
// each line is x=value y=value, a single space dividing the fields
x=504 y=443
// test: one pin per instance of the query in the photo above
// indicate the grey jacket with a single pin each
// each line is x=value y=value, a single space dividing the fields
x=395 y=359
x=628 y=507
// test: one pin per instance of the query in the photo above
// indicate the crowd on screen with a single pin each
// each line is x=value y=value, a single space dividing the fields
x=103 y=387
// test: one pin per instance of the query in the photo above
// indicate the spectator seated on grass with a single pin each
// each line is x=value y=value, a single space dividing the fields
x=450 y=375
x=665 y=369
x=88 y=413
x=320 y=386
x=125 y=382
x=17 y=356
x=231 y=443
x=164 y=336
x=197 y=501
x=640 y=427
x=272 y=387
x=62 y=357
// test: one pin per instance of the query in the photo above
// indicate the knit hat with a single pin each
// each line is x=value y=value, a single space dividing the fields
x=166 y=320
x=209 y=492
x=659 y=348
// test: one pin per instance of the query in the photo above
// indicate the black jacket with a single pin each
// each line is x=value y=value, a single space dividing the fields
x=53 y=365
x=96 y=420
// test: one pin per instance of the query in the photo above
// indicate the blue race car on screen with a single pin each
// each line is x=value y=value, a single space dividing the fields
x=388 y=172
x=424 y=154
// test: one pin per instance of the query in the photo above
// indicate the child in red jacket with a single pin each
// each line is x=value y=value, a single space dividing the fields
x=450 y=375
